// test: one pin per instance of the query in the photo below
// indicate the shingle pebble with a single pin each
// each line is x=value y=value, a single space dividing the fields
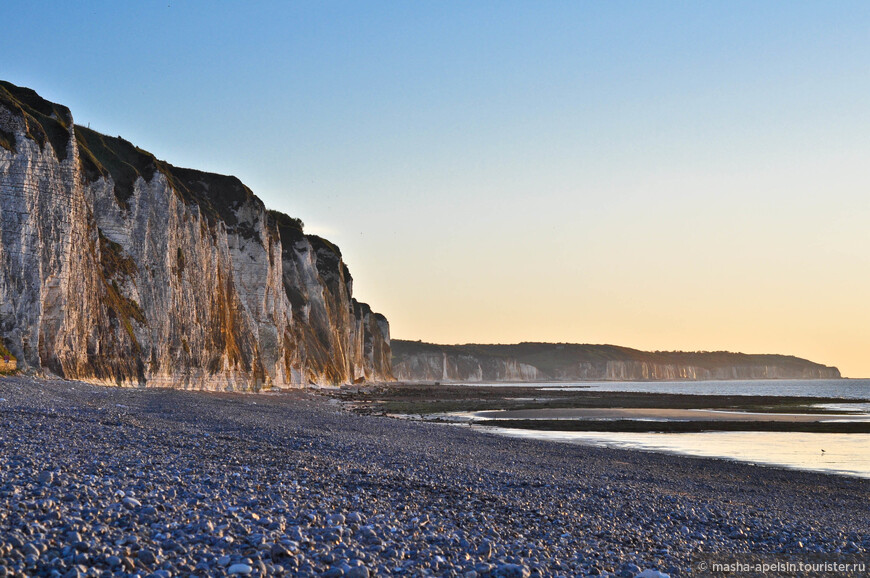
x=162 y=483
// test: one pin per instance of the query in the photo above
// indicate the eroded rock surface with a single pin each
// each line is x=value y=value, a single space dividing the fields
x=116 y=267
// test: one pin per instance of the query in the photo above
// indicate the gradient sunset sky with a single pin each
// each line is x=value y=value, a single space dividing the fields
x=659 y=175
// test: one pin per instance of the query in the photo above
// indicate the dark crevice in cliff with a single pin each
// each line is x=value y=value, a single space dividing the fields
x=117 y=268
x=7 y=140
x=329 y=262
x=289 y=229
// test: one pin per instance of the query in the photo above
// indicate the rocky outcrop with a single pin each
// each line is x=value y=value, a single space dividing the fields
x=536 y=362
x=118 y=268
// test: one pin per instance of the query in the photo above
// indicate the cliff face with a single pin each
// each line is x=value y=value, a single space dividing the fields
x=416 y=361
x=119 y=268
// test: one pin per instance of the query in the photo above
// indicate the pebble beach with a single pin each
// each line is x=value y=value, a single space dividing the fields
x=99 y=481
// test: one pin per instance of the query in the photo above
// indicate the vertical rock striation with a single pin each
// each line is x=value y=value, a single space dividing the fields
x=118 y=268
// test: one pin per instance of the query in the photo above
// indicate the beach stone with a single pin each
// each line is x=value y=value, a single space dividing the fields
x=146 y=556
x=649 y=573
x=485 y=549
x=279 y=553
x=243 y=569
x=512 y=571
x=498 y=507
x=335 y=520
x=14 y=541
x=72 y=537
x=368 y=535
x=130 y=503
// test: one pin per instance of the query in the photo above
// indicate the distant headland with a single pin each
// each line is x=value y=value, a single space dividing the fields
x=531 y=362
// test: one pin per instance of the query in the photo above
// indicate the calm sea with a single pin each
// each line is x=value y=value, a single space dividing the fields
x=839 y=388
x=843 y=454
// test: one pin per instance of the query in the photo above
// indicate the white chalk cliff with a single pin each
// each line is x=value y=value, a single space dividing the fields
x=530 y=362
x=118 y=268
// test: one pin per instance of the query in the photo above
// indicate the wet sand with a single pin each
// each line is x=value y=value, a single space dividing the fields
x=664 y=414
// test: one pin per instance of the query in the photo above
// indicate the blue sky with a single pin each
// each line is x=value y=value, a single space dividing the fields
x=663 y=175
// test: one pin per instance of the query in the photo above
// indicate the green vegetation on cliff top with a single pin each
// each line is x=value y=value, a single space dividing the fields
x=102 y=156
x=217 y=196
x=45 y=122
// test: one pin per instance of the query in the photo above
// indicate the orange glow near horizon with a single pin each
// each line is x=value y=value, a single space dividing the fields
x=661 y=271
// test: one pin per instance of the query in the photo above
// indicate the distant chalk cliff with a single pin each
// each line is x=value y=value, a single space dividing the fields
x=118 y=268
x=417 y=361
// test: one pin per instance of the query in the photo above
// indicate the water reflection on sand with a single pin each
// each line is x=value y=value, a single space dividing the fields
x=667 y=414
x=847 y=454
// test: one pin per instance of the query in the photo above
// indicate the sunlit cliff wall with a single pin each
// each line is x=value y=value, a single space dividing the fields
x=119 y=268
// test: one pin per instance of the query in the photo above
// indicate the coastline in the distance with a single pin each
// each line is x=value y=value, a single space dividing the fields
x=416 y=361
